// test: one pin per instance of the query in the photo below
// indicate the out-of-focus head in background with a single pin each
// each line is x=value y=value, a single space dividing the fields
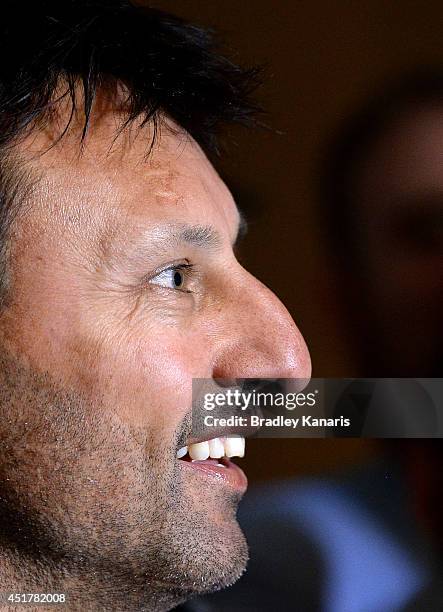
x=382 y=195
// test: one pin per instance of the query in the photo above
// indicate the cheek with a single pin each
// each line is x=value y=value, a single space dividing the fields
x=148 y=382
x=168 y=362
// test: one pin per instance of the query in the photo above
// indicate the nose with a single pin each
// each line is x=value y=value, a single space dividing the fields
x=260 y=338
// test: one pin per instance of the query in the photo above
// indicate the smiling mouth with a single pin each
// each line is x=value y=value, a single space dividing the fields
x=217 y=448
x=212 y=457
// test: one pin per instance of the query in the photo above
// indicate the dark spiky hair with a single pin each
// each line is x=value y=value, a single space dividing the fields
x=69 y=50
x=164 y=64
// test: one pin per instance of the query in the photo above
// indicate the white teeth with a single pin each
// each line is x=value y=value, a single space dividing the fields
x=199 y=451
x=182 y=452
x=242 y=446
x=215 y=448
x=234 y=447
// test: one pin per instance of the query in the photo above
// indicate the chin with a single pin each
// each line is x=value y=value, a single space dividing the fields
x=221 y=567
x=201 y=547
x=212 y=554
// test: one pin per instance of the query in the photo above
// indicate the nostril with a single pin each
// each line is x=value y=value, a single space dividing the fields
x=249 y=384
x=270 y=385
x=226 y=382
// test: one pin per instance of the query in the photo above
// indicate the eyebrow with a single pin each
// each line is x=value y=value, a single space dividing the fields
x=199 y=235
x=160 y=238
x=207 y=237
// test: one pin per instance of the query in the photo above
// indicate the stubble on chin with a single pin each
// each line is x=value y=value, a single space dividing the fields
x=85 y=495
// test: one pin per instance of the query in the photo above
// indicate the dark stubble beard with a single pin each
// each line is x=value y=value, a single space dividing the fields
x=90 y=507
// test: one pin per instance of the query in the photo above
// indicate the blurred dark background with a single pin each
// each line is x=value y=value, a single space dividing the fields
x=322 y=60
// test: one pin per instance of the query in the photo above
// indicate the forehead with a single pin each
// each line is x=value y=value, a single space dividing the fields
x=114 y=187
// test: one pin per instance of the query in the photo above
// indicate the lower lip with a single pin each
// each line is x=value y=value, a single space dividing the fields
x=221 y=469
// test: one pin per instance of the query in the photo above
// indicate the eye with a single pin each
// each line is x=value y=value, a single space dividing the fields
x=174 y=277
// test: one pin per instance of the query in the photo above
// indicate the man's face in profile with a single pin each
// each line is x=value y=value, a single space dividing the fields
x=123 y=288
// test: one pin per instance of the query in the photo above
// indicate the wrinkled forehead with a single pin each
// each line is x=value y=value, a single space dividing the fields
x=113 y=188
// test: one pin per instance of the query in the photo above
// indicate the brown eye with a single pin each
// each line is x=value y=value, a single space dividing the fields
x=174 y=277
x=179 y=279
